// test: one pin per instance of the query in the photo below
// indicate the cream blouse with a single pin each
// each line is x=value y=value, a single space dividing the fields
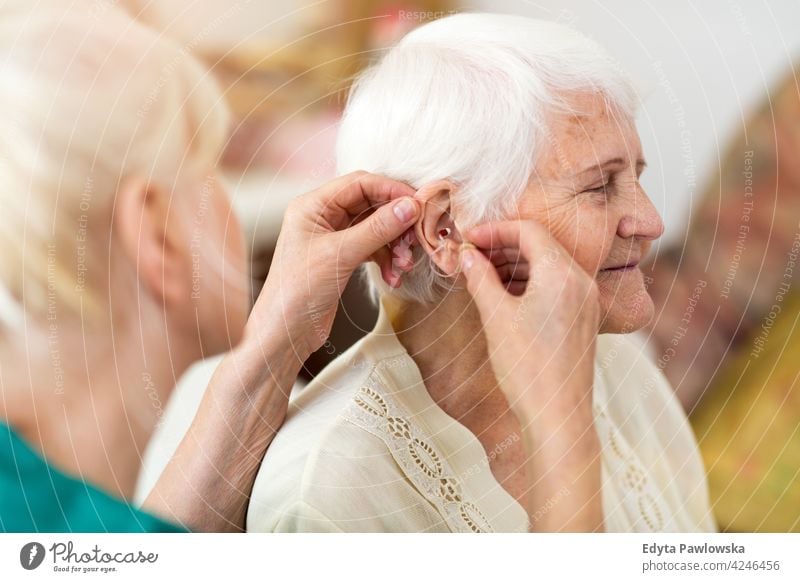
x=366 y=449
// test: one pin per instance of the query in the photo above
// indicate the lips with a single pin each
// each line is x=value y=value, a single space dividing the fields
x=624 y=267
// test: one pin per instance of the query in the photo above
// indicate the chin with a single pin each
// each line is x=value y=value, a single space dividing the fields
x=626 y=315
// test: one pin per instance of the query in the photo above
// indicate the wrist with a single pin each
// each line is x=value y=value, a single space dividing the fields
x=285 y=328
x=250 y=390
x=566 y=407
x=262 y=361
x=563 y=419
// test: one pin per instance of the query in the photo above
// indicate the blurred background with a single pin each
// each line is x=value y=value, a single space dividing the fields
x=720 y=127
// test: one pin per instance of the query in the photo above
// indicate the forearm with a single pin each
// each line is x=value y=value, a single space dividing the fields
x=565 y=479
x=563 y=461
x=207 y=484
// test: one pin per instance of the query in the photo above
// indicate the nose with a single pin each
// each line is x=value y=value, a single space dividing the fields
x=641 y=219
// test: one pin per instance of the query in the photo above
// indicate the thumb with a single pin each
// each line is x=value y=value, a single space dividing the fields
x=380 y=228
x=483 y=283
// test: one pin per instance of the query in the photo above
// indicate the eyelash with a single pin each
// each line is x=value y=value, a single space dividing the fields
x=600 y=189
x=603 y=189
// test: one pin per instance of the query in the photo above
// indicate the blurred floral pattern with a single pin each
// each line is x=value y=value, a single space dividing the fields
x=732 y=350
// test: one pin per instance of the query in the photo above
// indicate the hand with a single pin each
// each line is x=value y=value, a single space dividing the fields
x=540 y=309
x=541 y=314
x=326 y=235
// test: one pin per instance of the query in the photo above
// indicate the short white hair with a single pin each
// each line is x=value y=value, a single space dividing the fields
x=88 y=97
x=465 y=98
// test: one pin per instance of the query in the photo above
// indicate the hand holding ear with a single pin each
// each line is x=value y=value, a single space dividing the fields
x=541 y=343
x=540 y=309
x=435 y=232
x=326 y=235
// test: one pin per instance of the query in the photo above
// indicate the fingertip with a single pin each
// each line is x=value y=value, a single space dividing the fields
x=482 y=280
x=405 y=265
x=467 y=259
x=480 y=235
x=472 y=265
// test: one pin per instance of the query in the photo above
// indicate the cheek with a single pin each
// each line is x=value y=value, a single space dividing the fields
x=591 y=234
x=225 y=282
x=234 y=256
x=224 y=260
x=237 y=276
x=583 y=227
x=229 y=236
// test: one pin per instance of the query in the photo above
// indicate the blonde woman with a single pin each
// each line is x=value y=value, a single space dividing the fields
x=122 y=263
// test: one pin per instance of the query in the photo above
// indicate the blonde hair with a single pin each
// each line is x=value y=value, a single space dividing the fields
x=89 y=97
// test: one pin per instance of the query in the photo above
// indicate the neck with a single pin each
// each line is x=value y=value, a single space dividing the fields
x=89 y=401
x=449 y=347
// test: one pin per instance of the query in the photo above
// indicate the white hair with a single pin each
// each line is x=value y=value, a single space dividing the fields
x=466 y=98
x=88 y=97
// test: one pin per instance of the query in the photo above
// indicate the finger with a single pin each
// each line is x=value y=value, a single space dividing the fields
x=389 y=272
x=517 y=288
x=357 y=243
x=353 y=195
x=518 y=271
x=526 y=236
x=483 y=283
x=402 y=254
x=500 y=256
x=387 y=263
x=396 y=259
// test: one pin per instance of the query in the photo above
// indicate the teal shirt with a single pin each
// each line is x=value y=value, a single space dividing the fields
x=37 y=497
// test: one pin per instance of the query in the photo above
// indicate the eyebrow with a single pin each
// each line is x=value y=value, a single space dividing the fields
x=641 y=164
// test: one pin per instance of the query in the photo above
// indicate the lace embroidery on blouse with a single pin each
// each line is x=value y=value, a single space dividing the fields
x=429 y=471
x=625 y=468
x=379 y=414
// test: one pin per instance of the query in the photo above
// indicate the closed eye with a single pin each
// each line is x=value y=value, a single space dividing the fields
x=599 y=189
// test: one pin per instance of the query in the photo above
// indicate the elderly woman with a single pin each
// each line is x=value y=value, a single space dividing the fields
x=122 y=264
x=502 y=395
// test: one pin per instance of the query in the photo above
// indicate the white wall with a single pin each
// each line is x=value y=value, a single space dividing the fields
x=703 y=65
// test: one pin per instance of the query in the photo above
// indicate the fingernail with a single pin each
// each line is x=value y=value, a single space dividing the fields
x=404 y=210
x=466 y=260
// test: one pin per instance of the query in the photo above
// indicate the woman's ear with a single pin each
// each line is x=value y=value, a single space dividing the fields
x=149 y=238
x=437 y=229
